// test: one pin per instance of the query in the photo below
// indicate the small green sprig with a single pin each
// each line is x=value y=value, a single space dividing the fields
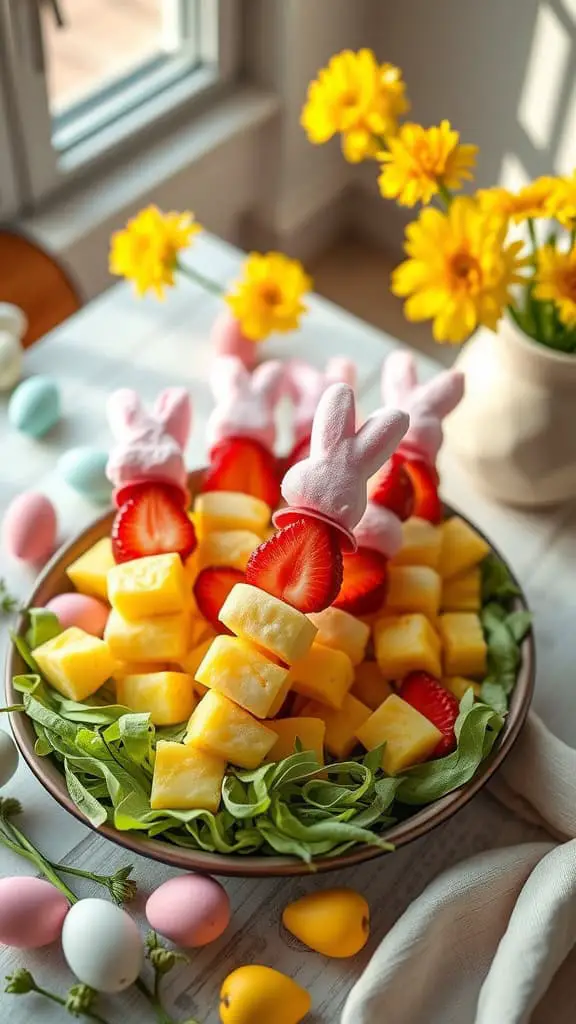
x=162 y=961
x=8 y=603
x=79 y=1001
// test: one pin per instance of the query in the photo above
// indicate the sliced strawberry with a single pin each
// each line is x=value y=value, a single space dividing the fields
x=427 y=501
x=301 y=564
x=364 y=583
x=211 y=589
x=436 y=703
x=300 y=451
x=241 y=464
x=393 y=488
x=152 y=522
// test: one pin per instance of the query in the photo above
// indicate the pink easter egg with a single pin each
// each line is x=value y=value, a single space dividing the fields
x=191 y=910
x=29 y=528
x=32 y=912
x=228 y=340
x=88 y=613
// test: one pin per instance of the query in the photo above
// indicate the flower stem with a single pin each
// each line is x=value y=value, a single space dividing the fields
x=445 y=194
x=535 y=306
x=14 y=840
x=199 y=278
x=154 y=1000
x=572 y=237
x=62 y=1002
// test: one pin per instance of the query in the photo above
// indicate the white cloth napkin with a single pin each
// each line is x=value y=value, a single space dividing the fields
x=487 y=942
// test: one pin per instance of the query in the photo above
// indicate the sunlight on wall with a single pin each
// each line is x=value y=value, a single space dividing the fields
x=570 y=7
x=565 y=157
x=545 y=73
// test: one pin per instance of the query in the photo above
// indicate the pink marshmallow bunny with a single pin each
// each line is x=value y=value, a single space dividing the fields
x=332 y=481
x=306 y=385
x=427 y=404
x=149 y=444
x=245 y=403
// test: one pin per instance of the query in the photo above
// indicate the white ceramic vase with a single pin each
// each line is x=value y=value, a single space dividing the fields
x=514 y=432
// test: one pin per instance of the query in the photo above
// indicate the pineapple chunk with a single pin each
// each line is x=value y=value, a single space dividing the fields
x=463 y=643
x=267 y=622
x=222 y=728
x=342 y=632
x=462 y=547
x=163 y=638
x=200 y=631
x=186 y=778
x=458 y=685
x=463 y=593
x=341 y=724
x=168 y=696
x=369 y=685
x=150 y=586
x=142 y=668
x=89 y=573
x=230 y=510
x=230 y=548
x=409 y=737
x=421 y=544
x=310 y=732
x=323 y=675
x=413 y=588
x=405 y=643
x=239 y=671
x=75 y=663
x=191 y=661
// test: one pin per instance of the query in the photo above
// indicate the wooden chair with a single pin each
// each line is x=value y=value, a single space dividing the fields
x=34 y=280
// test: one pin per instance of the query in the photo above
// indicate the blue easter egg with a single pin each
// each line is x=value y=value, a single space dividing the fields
x=35 y=406
x=83 y=469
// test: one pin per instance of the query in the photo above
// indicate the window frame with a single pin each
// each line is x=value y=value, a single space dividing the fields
x=176 y=88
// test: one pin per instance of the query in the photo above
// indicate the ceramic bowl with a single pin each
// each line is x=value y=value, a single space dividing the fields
x=53 y=580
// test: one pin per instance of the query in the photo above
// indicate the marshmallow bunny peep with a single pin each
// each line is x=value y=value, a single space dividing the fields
x=245 y=403
x=427 y=404
x=149 y=444
x=305 y=385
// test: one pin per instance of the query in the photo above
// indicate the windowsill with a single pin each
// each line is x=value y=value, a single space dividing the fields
x=106 y=201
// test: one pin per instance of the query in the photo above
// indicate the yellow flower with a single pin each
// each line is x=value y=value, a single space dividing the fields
x=561 y=203
x=146 y=251
x=460 y=270
x=530 y=201
x=358 y=98
x=420 y=161
x=555 y=281
x=269 y=296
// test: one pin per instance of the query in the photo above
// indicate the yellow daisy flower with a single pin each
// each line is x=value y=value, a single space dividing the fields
x=269 y=295
x=421 y=161
x=460 y=270
x=146 y=250
x=555 y=281
x=530 y=201
x=561 y=202
x=358 y=98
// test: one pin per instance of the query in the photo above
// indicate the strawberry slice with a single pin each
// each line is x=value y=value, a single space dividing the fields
x=427 y=501
x=392 y=488
x=211 y=589
x=301 y=564
x=242 y=464
x=364 y=583
x=152 y=522
x=436 y=703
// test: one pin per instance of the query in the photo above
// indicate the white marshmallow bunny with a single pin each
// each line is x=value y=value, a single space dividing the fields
x=332 y=481
x=149 y=444
x=427 y=404
x=245 y=402
x=305 y=385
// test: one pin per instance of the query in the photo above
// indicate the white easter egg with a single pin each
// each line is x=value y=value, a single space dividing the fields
x=13 y=319
x=8 y=757
x=11 y=354
x=102 y=945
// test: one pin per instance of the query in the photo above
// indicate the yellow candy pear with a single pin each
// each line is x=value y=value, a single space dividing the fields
x=261 y=995
x=334 y=922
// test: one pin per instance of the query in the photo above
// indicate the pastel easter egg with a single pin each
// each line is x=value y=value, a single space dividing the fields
x=88 y=613
x=35 y=406
x=32 y=912
x=83 y=469
x=29 y=527
x=102 y=945
x=13 y=319
x=11 y=355
x=228 y=340
x=8 y=757
x=191 y=910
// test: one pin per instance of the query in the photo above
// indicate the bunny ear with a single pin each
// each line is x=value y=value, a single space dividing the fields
x=342 y=370
x=228 y=374
x=303 y=379
x=442 y=394
x=268 y=379
x=334 y=420
x=125 y=412
x=379 y=437
x=399 y=377
x=173 y=409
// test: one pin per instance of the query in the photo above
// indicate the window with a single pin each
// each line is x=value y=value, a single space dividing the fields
x=83 y=80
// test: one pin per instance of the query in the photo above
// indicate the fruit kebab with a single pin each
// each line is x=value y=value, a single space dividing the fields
x=305 y=386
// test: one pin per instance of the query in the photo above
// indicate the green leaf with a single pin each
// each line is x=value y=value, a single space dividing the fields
x=136 y=733
x=493 y=693
x=237 y=799
x=519 y=623
x=497 y=583
x=84 y=800
x=44 y=626
x=24 y=652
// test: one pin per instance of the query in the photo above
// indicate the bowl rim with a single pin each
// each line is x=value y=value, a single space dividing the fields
x=252 y=865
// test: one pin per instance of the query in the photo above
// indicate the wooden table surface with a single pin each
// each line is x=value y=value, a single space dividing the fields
x=118 y=341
